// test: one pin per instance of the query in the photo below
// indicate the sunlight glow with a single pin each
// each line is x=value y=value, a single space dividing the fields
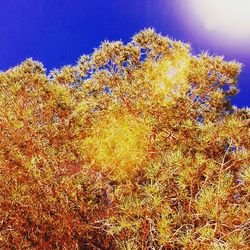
x=229 y=17
x=119 y=143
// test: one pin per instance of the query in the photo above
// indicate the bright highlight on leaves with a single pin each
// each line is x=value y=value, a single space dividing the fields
x=119 y=143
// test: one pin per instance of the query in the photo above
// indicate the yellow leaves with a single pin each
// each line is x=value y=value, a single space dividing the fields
x=186 y=176
x=164 y=230
x=123 y=224
x=245 y=177
x=200 y=158
x=152 y=170
x=65 y=76
x=128 y=245
x=233 y=125
x=16 y=154
x=163 y=224
x=188 y=123
x=154 y=196
x=210 y=167
x=152 y=188
x=16 y=87
x=225 y=181
x=206 y=232
x=174 y=157
x=145 y=37
x=246 y=174
x=206 y=203
x=18 y=124
x=128 y=150
x=237 y=239
x=28 y=113
x=31 y=167
x=210 y=197
x=18 y=191
x=115 y=226
x=61 y=93
x=81 y=107
x=168 y=78
x=131 y=205
x=209 y=133
x=186 y=239
x=118 y=143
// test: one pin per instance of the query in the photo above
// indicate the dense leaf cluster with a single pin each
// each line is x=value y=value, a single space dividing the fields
x=135 y=147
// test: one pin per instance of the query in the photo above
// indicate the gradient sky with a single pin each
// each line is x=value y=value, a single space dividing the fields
x=57 y=32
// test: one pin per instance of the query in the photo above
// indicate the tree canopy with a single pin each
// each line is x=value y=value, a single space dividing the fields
x=137 y=146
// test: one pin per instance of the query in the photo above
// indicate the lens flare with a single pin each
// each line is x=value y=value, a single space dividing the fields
x=228 y=17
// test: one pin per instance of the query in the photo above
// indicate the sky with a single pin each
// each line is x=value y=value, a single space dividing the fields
x=58 y=32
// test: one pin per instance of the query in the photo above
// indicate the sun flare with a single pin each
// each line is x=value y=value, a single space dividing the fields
x=228 y=17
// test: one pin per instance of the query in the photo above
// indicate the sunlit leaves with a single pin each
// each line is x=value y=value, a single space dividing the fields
x=118 y=143
x=206 y=203
x=135 y=147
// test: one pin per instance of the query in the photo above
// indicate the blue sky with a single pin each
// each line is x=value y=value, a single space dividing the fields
x=58 y=32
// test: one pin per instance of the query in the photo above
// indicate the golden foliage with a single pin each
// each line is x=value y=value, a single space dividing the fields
x=135 y=147
x=118 y=142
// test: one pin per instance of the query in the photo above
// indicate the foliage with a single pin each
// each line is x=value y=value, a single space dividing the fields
x=135 y=147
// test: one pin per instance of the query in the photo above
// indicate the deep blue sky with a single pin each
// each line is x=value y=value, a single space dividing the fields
x=57 y=32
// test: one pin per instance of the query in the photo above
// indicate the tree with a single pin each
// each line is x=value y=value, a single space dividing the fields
x=135 y=147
